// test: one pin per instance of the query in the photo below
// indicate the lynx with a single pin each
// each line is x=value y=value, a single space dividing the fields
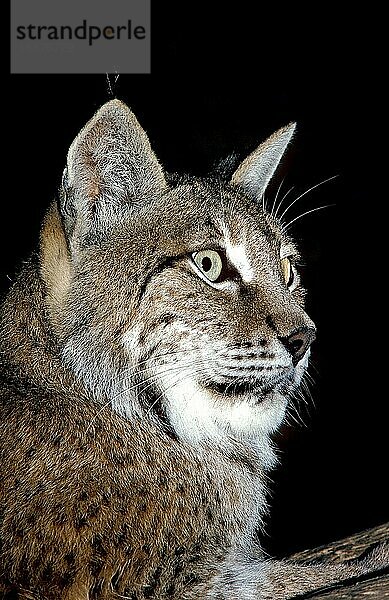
x=150 y=348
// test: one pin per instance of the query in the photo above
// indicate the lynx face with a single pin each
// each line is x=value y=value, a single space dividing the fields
x=179 y=303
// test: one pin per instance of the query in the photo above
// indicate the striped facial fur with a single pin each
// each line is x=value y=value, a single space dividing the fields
x=213 y=357
x=179 y=300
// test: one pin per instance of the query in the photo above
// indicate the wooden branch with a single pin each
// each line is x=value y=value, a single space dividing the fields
x=371 y=587
x=348 y=548
x=376 y=588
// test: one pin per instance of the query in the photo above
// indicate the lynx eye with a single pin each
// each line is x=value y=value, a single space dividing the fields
x=210 y=263
x=287 y=271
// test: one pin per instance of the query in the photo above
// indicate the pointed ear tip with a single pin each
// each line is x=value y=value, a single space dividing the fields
x=112 y=110
x=114 y=106
x=290 y=128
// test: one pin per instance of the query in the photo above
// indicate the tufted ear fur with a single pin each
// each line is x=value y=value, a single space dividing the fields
x=255 y=172
x=109 y=164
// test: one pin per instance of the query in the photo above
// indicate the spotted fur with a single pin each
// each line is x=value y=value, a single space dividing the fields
x=138 y=399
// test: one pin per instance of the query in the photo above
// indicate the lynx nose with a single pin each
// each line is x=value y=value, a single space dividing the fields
x=298 y=342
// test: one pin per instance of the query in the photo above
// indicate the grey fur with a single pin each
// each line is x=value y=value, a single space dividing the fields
x=115 y=485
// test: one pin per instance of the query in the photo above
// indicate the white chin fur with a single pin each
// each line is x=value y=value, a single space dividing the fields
x=198 y=415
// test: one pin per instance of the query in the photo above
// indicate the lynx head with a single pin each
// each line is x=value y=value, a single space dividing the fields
x=177 y=302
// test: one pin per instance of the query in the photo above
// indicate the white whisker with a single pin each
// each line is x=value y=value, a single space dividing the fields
x=305 y=193
x=263 y=202
x=282 y=200
x=286 y=227
x=276 y=198
x=149 y=381
x=108 y=403
x=182 y=373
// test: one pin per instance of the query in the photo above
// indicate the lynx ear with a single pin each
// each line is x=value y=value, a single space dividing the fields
x=109 y=164
x=255 y=172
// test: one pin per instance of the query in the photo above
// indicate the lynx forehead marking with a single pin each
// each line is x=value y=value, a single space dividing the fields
x=238 y=257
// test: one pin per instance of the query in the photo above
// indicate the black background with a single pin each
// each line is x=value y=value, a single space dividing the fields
x=221 y=83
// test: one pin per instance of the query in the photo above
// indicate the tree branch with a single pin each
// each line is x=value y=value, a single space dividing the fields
x=372 y=587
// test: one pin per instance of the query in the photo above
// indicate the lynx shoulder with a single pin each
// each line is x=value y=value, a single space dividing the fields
x=149 y=349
